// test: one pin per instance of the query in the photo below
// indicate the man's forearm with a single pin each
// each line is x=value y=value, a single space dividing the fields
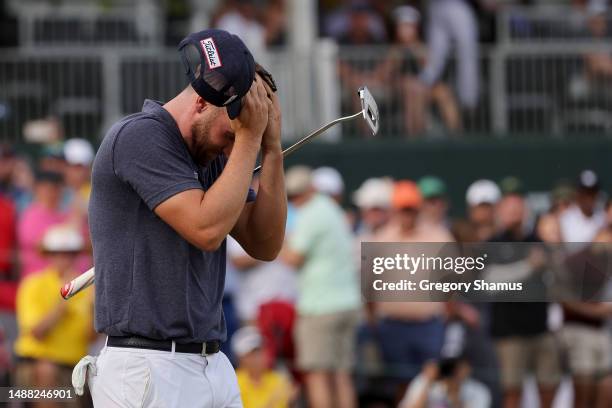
x=266 y=224
x=47 y=323
x=226 y=198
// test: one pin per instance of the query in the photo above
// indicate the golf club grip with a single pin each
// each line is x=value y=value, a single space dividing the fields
x=79 y=283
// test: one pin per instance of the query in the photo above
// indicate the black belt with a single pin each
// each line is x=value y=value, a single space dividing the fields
x=210 y=347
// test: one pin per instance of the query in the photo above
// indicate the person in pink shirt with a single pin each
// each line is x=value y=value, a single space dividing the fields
x=43 y=213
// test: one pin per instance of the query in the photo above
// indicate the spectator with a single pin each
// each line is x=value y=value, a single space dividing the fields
x=79 y=156
x=52 y=158
x=261 y=282
x=14 y=178
x=584 y=332
x=520 y=330
x=407 y=58
x=435 y=202
x=446 y=384
x=328 y=181
x=361 y=26
x=265 y=296
x=581 y=222
x=481 y=197
x=548 y=229
x=53 y=334
x=453 y=22
x=407 y=203
x=373 y=198
x=598 y=64
x=8 y=244
x=561 y=197
x=240 y=18
x=410 y=333
x=7 y=164
x=320 y=248
x=274 y=22
x=259 y=385
x=8 y=264
x=356 y=24
x=43 y=213
x=8 y=250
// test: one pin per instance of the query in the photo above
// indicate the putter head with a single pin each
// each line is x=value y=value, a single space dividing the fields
x=369 y=108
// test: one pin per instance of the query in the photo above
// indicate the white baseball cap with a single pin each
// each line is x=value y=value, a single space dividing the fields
x=482 y=192
x=298 y=180
x=246 y=340
x=78 y=151
x=406 y=14
x=62 y=238
x=374 y=193
x=327 y=180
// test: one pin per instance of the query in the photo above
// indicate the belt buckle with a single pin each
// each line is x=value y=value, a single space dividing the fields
x=203 y=353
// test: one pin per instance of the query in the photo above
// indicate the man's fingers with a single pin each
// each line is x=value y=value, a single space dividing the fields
x=269 y=91
x=261 y=89
x=266 y=76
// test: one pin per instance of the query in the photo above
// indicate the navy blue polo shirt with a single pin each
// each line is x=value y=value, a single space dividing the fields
x=149 y=280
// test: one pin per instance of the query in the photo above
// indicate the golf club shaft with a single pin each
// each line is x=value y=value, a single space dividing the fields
x=314 y=134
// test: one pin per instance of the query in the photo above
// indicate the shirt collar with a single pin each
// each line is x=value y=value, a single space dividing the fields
x=156 y=108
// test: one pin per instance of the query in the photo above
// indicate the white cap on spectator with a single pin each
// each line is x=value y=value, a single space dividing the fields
x=406 y=14
x=78 y=151
x=298 y=180
x=245 y=340
x=62 y=238
x=374 y=193
x=482 y=192
x=597 y=7
x=327 y=180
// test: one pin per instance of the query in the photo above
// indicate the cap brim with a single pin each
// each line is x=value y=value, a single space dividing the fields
x=233 y=109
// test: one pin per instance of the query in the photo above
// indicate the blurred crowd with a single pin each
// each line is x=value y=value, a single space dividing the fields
x=422 y=59
x=299 y=331
x=431 y=65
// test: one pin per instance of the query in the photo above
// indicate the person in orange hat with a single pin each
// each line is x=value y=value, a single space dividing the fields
x=410 y=333
x=403 y=227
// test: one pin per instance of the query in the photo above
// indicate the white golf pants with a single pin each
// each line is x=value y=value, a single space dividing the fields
x=130 y=377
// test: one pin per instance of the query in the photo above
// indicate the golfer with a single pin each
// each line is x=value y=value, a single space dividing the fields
x=168 y=184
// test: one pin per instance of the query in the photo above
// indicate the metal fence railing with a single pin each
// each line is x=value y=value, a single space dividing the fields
x=547 y=89
x=89 y=22
x=551 y=23
x=552 y=89
x=89 y=88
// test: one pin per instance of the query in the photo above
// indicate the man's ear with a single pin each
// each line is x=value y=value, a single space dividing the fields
x=201 y=104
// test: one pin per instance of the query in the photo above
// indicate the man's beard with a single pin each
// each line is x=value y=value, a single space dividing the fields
x=201 y=145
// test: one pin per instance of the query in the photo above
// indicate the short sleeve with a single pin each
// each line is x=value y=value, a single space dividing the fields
x=304 y=234
x=30 y=311
x=153 y=161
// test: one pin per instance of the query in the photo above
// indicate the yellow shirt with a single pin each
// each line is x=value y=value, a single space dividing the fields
x=67 y=342
x=272 y=391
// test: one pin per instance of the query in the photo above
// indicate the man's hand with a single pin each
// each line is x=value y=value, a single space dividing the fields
x=253 y=117
x=272 y=135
